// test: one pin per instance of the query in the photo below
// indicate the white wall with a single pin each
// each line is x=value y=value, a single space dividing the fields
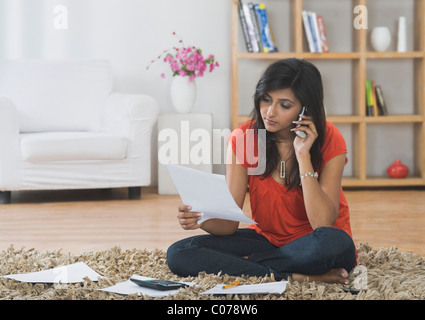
x=128 y=33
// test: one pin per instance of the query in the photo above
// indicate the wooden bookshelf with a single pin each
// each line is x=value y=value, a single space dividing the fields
x=362 y=60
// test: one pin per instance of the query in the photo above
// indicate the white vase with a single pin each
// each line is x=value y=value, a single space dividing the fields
x=183 y=94
x=401 y=43
x=380 y=38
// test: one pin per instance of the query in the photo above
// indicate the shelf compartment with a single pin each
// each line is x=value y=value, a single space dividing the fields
x=338 y=86
x=391 y=74
x=387 y=142
x=339 y=32
x=386 y=13
x=280 y=20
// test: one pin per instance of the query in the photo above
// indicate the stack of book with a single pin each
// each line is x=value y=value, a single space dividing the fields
x=314 y=27
x=375 y=103
x=255 y=27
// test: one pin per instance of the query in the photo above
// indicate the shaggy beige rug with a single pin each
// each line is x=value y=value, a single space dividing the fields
x=381 y=273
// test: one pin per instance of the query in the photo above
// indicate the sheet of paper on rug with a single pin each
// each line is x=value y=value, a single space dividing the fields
x=261 y=288
x=129 y=287
x=71 y=273
x=207 y=193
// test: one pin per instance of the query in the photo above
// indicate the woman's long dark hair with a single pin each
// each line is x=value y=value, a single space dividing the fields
x=306 y=83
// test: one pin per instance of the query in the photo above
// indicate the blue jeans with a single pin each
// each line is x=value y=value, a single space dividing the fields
x=324 y=249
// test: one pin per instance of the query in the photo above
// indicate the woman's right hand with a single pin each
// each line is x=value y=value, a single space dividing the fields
x=188 y=219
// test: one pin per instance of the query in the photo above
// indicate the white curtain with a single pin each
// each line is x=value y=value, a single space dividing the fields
x=44 y=28
x=21 y=28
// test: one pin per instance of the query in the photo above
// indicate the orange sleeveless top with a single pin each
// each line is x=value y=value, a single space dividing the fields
x=279 y=212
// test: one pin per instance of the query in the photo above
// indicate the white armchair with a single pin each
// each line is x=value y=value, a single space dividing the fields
x=61 y=127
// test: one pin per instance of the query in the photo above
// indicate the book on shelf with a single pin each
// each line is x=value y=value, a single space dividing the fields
x=255 y=26
x=265 y=28
x=256 y=22
x=314 y=28
x=322 y=33
x=244 y=27
x=375 y=103
x=252 y=37
x=369 y=107
x=381 y=101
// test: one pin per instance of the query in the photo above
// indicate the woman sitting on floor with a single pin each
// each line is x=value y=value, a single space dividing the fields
x=303 y=226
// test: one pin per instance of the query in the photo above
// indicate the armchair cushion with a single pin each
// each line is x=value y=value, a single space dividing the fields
x=55 y=95
x=71 y=146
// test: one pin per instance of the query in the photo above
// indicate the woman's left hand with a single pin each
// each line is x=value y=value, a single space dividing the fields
x=302 y=146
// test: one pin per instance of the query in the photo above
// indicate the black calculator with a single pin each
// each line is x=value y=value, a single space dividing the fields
x=159 y=284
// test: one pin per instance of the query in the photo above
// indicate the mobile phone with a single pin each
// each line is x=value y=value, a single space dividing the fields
x=159 y=284
x=301 y=134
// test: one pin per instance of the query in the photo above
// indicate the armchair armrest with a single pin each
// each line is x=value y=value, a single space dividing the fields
x=121 y=109
x=132 y=115
x=10 y=158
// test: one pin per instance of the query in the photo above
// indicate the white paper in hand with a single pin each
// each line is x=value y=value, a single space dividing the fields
x=207 y=193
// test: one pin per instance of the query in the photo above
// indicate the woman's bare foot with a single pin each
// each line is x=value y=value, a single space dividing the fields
x=339 y=275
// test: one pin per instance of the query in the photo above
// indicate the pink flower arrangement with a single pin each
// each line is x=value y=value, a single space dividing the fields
x=188 y=61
